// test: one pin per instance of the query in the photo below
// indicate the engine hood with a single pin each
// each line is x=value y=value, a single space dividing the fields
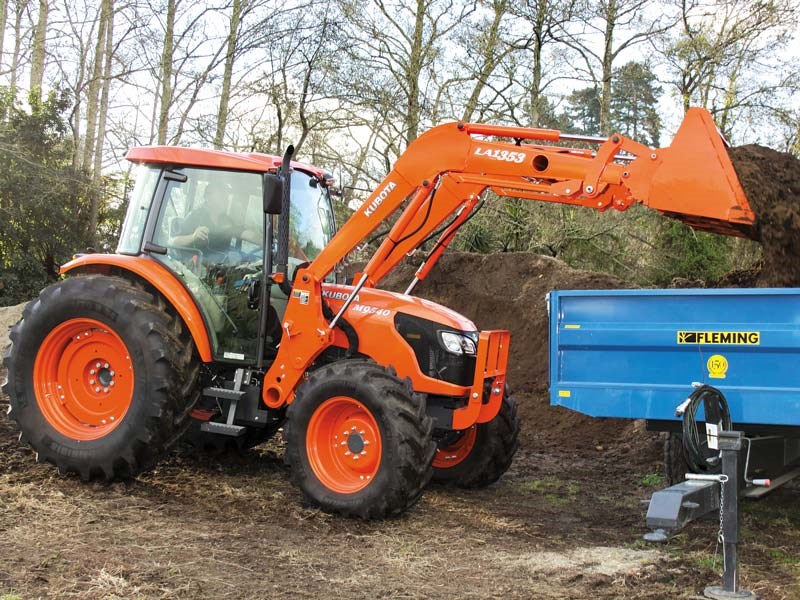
x=382 y=304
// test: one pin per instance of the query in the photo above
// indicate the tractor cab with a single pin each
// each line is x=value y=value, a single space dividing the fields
x=206 y=226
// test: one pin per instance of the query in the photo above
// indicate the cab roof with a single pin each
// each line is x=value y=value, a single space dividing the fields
x=216 y=159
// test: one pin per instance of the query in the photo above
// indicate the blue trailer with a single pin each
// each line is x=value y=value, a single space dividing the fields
x=635 y=353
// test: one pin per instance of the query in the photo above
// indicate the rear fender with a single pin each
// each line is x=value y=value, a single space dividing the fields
x=160 y=278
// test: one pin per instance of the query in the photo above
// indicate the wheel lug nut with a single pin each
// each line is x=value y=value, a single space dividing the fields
x=98 y=365
x=105 y=366
x=347 y=453
x=111 y=384
x=97 y=389
x=363 y=452
x=353 y=428
x=105 y=390
x=111 y=373
x=355 y=457
x=92 y=371
x=91 y=382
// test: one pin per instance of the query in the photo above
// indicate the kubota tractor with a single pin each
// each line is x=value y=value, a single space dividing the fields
x=205 y=320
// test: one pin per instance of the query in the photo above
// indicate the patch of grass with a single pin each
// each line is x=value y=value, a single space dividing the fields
x=651 y=479
x=555 y=491
x=780 y=555
x=10 y=596
x=707 y=561
x=545 y=484
x=556 y=500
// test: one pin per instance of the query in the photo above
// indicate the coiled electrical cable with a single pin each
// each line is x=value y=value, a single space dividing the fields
x=701 y=458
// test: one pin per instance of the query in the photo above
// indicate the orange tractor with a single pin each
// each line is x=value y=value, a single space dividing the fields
x=221 y=312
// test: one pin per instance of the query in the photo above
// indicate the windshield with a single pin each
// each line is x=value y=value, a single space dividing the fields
x=130 y=240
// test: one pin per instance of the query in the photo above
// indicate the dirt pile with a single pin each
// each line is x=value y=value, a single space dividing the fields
x=771 y=182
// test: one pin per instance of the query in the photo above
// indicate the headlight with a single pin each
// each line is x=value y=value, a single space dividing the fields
x=457 y=343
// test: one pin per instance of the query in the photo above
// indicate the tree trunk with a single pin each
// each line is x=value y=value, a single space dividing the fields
x=19 y=10
x=489 y=60
x=97 y=169
x=416 y=58
x=227 y=75
x=535 y=94
x=166 y=74
x=38 y=52
x=3 y=17
x=608 y=60
x=93 y=93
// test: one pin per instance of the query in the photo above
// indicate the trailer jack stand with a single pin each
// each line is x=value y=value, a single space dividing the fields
x=673 y=508
x=730 y=446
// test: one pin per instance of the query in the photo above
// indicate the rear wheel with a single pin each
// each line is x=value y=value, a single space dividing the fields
x=359 y=440
x=101 y=377
x=478 y=456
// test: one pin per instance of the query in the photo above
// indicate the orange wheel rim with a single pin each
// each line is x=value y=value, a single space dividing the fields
x=83 y=379
x=450 y=456
x=343 y=444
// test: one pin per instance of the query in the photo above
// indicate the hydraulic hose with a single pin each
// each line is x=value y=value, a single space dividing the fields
x=699 y=457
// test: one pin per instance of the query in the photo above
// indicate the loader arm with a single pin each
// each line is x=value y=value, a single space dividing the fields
x=450 y=166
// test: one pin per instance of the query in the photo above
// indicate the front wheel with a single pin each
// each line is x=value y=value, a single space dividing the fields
x=358 y=440
x=478 y=456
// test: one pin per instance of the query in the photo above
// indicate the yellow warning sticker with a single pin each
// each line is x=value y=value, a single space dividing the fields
x=571 y=326
x=564 y=393
x=717 y=366
x=730 y=338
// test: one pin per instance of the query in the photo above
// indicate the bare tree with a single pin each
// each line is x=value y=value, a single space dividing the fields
x=609 y=28
x=726 y=56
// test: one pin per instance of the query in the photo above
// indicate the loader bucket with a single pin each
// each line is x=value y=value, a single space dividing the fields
x=696 y=183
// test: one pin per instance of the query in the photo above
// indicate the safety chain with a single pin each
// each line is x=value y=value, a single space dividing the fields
x=723 y=479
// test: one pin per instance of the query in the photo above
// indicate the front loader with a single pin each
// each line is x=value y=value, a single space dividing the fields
x=221 y=312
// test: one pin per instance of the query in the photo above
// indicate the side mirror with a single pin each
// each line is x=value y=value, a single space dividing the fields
x=273 y=193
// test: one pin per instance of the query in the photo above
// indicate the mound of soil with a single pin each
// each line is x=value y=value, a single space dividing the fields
x=771 y=182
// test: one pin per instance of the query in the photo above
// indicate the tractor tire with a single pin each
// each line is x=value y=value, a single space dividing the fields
x=481 y=455
x=358 y=440
x=101 y=377
x=675 y=465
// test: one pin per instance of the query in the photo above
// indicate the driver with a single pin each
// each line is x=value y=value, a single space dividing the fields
x=210 y=227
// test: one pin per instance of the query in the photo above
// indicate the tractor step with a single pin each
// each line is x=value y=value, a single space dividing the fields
x=222 y=393
x=223 y=429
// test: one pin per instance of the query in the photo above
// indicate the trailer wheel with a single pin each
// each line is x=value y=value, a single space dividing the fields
x=482 y=453
x=358 y=440
x=101 y=377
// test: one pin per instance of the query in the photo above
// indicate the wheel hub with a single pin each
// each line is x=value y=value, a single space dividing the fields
x=355 y=443
x=343 y=445
x=83 y=379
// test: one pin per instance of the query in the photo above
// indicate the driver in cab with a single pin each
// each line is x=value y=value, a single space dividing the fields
x=210 y=227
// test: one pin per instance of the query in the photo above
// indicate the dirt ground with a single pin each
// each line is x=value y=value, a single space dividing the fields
x=565 y=522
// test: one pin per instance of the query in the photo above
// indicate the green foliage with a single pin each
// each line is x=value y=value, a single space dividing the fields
x=651 y=479
x=43 y=200
x=634 y=103
x=583 y=111
x=690 y=254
